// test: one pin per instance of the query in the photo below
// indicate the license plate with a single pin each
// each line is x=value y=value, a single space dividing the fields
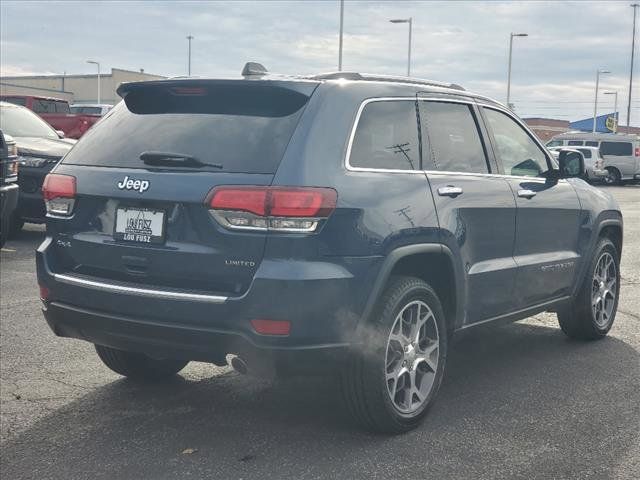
x=139 y=225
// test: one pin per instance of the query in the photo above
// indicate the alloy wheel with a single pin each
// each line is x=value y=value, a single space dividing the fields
x=603 y=290
x=411 y=359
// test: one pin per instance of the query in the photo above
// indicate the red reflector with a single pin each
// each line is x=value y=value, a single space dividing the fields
x=59 y=186
x=271 y=327
x=44 y=292
x=276 y=201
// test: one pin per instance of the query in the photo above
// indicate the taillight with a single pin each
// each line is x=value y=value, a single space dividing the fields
x=59 y=192
x=637 y=151
x=282 y=209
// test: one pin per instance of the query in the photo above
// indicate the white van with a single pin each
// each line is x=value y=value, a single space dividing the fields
x=621 y=152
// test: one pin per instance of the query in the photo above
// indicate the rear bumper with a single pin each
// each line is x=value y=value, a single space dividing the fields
x=324 y=308
x=164 y=340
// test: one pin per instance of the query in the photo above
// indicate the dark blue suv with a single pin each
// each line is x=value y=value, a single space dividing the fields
x=338 y=222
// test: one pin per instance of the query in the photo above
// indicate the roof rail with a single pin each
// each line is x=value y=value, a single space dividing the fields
x=383 y=78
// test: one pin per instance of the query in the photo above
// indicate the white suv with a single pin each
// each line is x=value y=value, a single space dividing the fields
x=593 y=161
x=621 y=152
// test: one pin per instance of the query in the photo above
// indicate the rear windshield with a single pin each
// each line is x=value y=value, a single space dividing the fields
x=244 y=128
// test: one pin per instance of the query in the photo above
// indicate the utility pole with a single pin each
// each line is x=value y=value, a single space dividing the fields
x=341 y=30
x=633 y=48
x=189 y=37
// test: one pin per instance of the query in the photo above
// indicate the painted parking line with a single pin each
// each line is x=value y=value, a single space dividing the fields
x=8 y=249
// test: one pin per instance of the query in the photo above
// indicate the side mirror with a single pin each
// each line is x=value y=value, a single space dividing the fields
x=60 y=133
x=571 y=164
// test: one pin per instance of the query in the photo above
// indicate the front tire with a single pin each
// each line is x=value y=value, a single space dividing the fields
x=590 y=315
x=393 y=378
x=138 y=366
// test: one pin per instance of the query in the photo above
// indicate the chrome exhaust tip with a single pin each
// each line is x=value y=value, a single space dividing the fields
x=239 y=365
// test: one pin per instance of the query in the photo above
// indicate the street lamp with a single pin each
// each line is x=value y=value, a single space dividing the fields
x=98 y=65
x=410 y=22
x=189 y=37
x=615 y=109
x=341 y=30
x=509 y=72
x=633 y=49
x=595 y=103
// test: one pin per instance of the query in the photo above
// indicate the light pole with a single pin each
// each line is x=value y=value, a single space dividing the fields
x=189 y=38
x=633 y=48
x=340 y=44
x=595 y=103
x=509 y=69
x=615 y=109
x=410 y=22
x=98 y=65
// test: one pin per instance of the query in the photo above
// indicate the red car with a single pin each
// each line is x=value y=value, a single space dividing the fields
x=56 y=112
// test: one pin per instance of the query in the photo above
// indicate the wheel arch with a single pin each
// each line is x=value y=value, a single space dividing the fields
x=435 y=264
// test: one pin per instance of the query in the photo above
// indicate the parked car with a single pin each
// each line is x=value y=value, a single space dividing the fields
x=8 y=184
x=39 y=149
x=339 y=221
x=99 y=109
x=57 y=113
x=593 y=161
x=621 y=152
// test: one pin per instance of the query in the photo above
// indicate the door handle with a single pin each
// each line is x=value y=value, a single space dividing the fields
x=526 y=193
x=449 y=191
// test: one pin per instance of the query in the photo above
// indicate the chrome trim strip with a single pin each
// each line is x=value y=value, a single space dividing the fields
x=142 y=292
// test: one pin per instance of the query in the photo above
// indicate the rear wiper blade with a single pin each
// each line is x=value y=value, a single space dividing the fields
x=175 y=159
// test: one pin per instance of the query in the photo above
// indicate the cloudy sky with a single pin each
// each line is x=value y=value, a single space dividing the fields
x=462 y=42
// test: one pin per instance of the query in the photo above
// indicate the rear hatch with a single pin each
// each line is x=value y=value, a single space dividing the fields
x=143 y=177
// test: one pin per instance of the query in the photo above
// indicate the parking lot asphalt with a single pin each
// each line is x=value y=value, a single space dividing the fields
x=518 y=401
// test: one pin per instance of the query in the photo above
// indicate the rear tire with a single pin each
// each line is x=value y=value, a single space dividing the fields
x=390 y=382
x=613 y=176
x=15 y=226
x=138 y=366
x=591 y=314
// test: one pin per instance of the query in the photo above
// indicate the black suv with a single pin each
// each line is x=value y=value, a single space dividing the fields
x=340 y=221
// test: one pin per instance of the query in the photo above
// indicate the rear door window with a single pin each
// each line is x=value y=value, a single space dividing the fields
x=450 y=138
x=244 y=128
x=620 y=149
x=591 y=144
x=386 y=136
x=585 y=151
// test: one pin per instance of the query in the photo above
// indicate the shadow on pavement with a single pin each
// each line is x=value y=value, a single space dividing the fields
x=518 y=401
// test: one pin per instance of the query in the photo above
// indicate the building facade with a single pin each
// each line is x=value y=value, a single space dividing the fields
x=546 y=128
x=74 y=88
